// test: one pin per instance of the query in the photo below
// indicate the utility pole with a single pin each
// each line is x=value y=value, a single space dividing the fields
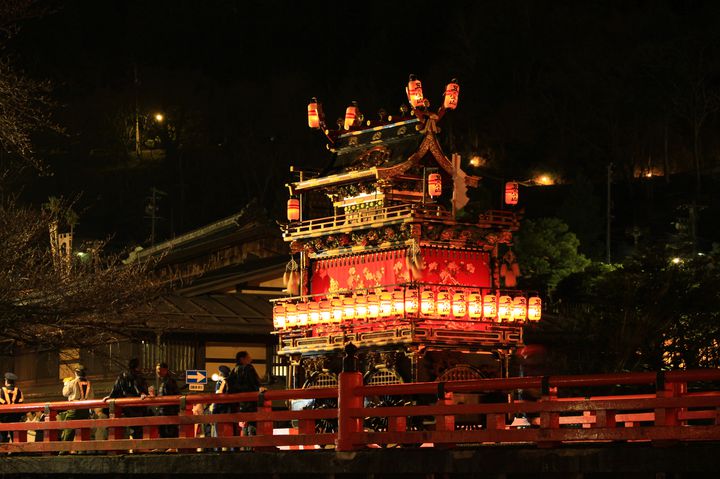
x=608 y=213
x=137 y=111
x=151 y=210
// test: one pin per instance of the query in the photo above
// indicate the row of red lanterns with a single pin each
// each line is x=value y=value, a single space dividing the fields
x=415 y=93
x=512 y=194
x=415 y=97
x=400 y=304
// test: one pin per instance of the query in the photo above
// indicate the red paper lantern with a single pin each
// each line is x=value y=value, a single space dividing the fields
x=351 y=114
x=434 y=185
x=314 y=114
x=452 y=94
x=512 y=193
x=293 y=209
x=414 y=92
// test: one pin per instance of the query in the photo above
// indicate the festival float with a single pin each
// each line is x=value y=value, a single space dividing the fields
x=382 y=259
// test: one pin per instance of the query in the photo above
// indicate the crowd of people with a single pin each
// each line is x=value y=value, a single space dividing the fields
x=131 y=383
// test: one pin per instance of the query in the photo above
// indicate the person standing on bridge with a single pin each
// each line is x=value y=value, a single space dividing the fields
x=167 y=387
x=221 y=387
x=76 y=389
x=129 y=384
x=244 y=378
x=10 y=394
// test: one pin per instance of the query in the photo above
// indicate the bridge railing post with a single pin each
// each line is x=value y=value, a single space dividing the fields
x=549 y=419
x=444 y=423
x=187 y=431
x=665 y=389
x=264 y=426
x=348 y=400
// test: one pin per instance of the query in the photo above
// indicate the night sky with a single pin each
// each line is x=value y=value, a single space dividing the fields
x=563 y=87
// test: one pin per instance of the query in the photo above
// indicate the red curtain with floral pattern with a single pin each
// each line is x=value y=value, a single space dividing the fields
x=369 y=270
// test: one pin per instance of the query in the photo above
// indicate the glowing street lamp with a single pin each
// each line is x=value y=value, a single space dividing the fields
x=159 y=117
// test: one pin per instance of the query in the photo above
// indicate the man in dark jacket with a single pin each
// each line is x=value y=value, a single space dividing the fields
x=131 y=383
x=244 y=378
x=167 y=387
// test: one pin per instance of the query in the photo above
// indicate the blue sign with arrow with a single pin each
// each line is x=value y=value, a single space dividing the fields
x=196 y=376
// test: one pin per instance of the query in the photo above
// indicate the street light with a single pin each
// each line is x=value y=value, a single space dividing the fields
x=159 y=117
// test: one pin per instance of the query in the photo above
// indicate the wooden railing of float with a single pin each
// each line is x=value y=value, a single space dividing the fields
x=563 y=412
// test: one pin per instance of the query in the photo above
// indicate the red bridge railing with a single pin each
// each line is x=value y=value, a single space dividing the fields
x=431 y=414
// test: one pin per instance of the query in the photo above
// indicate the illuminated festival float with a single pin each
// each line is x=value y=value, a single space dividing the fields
x=380 y=258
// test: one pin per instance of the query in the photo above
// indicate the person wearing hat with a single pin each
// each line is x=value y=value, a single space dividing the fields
x=10 y=394
x=78 y=388
x=221 y=387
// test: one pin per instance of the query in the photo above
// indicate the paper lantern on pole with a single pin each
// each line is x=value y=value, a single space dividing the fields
x=325 y=311
x=452 y=94
x=534 y=309
x=302 y=314
x=373 y=306
x=504 y=310
x=337 y=310
x=489 y=306
x=291 y=315
x=293 y=209
x=351 y=115
x=442 y=303
x=434 y=185
x=398 y=303
x=475 y=305
x=314 y=113
x=512 y=193
x=427 y=302
x=411 y=302
x=349 y=309
x=313 y=312
x=459 y=306
x=279 y=316
x=519 y=312
x=386 y=304
x=360 y=307
x=414 y=92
